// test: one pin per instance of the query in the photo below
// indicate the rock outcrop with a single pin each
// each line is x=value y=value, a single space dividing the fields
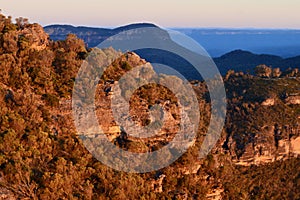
x=157 y=183
x=215 y=194
x=268 y=102
x=292 y=100
x=271 y=144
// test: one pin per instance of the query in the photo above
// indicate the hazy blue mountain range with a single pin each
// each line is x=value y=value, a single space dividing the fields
x=276 y=48
x=216 y=41
x=283 y=42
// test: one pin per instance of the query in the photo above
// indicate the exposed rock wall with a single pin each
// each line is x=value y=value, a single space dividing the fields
x=271 y=144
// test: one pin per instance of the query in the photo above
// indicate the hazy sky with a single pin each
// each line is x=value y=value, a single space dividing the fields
x=166 y=13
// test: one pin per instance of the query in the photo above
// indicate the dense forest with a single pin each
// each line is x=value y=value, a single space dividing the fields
x=42 y=157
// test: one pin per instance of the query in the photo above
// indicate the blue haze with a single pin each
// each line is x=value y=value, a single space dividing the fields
x=284 y=43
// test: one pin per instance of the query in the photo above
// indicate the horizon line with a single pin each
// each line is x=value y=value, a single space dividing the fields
x=178 y=27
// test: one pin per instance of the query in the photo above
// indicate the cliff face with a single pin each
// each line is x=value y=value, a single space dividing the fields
x=268 y=145
x=293 y=100
x=148 y=104
x=263 y=123
x=259 y=129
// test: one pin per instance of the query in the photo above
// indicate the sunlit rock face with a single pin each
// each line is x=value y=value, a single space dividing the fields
x=294 y=100
x=271 y=144
x=268 y=102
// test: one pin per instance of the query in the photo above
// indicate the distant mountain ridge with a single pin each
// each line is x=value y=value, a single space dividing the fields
x=238 y=60
x=91 y=36
x=218 y=41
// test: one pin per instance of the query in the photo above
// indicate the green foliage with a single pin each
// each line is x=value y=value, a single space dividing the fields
x=9 y=28
x=126 y=66
x=51 y=100
x=279 y=180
